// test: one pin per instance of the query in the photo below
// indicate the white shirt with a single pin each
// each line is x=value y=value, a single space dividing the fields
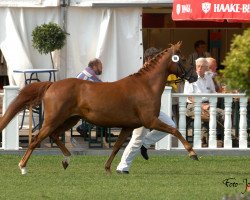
x=202 y=85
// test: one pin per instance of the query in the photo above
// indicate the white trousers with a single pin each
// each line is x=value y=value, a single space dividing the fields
x=142 y=136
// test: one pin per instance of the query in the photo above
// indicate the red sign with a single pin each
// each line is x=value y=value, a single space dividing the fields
x=211 y=10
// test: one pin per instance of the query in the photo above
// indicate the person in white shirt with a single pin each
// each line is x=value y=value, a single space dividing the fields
x=204 y=84
x=142 y=138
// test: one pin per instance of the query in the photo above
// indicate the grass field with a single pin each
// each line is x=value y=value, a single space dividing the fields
x=162 y=177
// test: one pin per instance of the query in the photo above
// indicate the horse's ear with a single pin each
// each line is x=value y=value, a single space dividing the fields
x=179 y=44
x=171 y=45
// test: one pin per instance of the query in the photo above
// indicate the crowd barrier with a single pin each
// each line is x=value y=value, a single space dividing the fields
x=239 y=128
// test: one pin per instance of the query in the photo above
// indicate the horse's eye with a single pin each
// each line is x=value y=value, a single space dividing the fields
x=175 y=58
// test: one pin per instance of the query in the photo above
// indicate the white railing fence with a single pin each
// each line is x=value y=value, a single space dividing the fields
x=10 y=135
x=228 y=129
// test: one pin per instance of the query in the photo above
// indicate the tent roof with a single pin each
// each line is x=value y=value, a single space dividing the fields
x=85 y=3
x=29 y=3
x=121 y=3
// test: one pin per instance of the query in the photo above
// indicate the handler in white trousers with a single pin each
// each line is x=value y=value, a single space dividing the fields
x=141 y=137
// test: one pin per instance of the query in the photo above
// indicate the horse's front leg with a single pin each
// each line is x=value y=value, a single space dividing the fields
x=159 y=125
x=119 y=142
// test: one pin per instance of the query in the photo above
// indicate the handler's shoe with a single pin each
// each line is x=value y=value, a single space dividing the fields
x=122 y=172
x=144 y=152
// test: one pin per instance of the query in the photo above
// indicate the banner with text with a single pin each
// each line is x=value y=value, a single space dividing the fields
x=211 y=10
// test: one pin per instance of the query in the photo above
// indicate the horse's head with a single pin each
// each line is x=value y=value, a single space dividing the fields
x=180 y=66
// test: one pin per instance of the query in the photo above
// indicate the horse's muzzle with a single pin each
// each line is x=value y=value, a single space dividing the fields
x=192 y=79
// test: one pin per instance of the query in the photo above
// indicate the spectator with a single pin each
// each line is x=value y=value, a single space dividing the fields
x=90 y=73
x=200 y=52
x=204 y=84
x=212 y=66
x=142 y=138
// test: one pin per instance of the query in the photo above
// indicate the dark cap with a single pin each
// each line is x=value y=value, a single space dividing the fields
x=150 y=53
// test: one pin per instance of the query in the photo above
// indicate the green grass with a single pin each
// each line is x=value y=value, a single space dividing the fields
x=162 y=177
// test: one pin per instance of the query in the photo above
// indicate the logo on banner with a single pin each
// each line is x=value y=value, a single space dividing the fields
x=178 y=9
x=185 y=8
x=206 y=6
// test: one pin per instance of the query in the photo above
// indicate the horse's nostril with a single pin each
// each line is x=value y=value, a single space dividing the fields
x=192 y=79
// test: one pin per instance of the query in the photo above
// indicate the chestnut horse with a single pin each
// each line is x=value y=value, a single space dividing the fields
x=129 y=103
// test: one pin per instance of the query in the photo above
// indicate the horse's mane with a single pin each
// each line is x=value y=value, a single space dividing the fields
x=148 y=66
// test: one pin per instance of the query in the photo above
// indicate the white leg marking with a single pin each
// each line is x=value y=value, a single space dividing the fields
x=66 y=159
x=23 y=169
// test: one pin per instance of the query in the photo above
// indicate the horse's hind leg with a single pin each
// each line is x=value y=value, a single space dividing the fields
x=55 y=136
x=42 y=134
x=63 y=148
x=159 y=125
x=119 y=142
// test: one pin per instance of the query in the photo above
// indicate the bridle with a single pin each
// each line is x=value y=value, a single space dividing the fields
x=184 y=73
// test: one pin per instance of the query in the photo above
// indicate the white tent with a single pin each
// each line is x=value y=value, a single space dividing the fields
x=105 y=29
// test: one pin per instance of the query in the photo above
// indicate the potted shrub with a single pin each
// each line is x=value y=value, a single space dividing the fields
x=47 y=38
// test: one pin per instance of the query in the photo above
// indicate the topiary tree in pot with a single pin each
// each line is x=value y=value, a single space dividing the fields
x=236 y=74
x=47 y=38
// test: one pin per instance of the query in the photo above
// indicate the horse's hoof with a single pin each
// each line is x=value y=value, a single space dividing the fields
x=108 y=170
x=23 y=169
x=194 y=157
x=65 y=164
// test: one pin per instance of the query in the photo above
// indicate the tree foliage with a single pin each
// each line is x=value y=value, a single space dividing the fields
x=48 y=37
x=236 y=74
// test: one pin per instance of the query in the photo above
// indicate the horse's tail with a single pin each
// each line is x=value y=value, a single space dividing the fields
x=30 y=95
